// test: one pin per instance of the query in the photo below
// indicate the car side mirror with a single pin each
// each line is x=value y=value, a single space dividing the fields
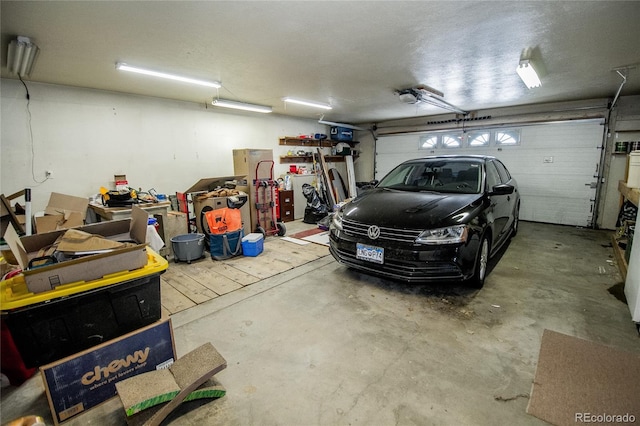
x=502 y=189
x=374 y=182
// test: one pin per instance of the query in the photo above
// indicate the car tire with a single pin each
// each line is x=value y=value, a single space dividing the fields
x=482 y=262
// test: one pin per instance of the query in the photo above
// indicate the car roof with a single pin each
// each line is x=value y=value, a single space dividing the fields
x=455 y=157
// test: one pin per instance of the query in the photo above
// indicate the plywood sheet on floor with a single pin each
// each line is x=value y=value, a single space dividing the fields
x=307 y=251
x=186 y=285
x=577 y=378
x=263 y=266
x=226 y=269
x=171 y=299
x=221 y=284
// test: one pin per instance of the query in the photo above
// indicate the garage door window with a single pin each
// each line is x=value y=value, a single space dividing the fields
x=452 y=140
x=478 y=139
x=429 y=142
x=507 y=137
x=473 y=139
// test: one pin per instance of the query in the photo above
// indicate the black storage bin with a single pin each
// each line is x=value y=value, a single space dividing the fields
x=51 y=330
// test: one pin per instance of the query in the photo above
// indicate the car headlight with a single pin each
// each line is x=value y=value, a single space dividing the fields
x=449 y=235
x=336 y=221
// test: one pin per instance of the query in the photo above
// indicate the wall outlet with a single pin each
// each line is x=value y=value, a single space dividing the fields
x=547 y=160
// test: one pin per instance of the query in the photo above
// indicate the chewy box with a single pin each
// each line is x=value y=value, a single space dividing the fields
x=85 y=380
x=252 y=244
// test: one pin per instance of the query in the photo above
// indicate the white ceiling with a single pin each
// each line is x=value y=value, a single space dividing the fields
x=352 y=55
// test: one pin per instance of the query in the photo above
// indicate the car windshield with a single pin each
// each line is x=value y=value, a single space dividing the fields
x=463 y=176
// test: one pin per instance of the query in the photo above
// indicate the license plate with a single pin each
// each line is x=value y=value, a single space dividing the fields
x=370 y=253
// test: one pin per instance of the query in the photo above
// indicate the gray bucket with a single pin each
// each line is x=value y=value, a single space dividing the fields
x=187 y=247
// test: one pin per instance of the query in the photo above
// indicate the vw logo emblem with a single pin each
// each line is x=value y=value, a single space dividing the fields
x=373 y=232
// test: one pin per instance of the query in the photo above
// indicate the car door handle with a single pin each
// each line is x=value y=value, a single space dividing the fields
x=508 y=197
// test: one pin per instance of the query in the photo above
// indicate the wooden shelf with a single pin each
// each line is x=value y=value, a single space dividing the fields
x=292 y=141
x=309 y=158
x=319 y=143
x=631 y=194
x=296 y=159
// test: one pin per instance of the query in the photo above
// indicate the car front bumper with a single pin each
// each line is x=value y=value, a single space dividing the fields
x=404 y=262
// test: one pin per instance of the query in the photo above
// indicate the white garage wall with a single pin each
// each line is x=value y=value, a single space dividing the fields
x=85 y=137
x=553 y=192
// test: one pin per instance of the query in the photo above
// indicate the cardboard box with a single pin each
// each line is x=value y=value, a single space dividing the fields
x=86 y=268
x=62 y=212
x=207 y=184
x=77 y=383
x=245 y=162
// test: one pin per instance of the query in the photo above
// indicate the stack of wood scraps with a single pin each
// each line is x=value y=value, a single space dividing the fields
x=220 y=192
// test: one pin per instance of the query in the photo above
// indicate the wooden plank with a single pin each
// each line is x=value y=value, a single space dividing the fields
x=326 y=181
x=303 y=254
x=351 y=176
x=220 y=284
x=631 y=194
x=620 y=260
x=188 y=286
x=16 y=194
x=171 y=299
x=275 y=257
x=6 y=204
x=259 y=269
x=225 y=269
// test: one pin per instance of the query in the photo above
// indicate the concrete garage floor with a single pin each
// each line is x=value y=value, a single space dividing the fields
x=324 y=345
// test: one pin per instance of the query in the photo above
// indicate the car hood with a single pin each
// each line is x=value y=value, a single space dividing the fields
x=411 y=210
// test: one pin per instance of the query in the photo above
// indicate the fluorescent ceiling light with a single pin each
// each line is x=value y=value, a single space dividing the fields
x=124 y=67
x=307 y=103
x=21 y=55
x=528 y=74
x=241 y=105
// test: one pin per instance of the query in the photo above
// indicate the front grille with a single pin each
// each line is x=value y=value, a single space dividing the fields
x=357 y=229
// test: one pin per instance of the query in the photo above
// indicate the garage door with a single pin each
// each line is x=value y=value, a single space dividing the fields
x=555 y=165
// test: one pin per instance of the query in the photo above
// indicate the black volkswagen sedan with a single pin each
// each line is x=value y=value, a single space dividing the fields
x=430 y=219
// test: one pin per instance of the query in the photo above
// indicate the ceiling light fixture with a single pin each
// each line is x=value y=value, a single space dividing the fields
x=307 y=103
x=526 y=70
x=124 y=67
x=241 y=105
x=21 y=56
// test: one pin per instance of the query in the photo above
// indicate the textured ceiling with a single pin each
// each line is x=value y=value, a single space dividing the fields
x=353 y=55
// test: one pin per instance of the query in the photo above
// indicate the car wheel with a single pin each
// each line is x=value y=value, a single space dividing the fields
x=482 y=260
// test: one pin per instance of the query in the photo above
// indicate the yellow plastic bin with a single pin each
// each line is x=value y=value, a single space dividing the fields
x=51 y=325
